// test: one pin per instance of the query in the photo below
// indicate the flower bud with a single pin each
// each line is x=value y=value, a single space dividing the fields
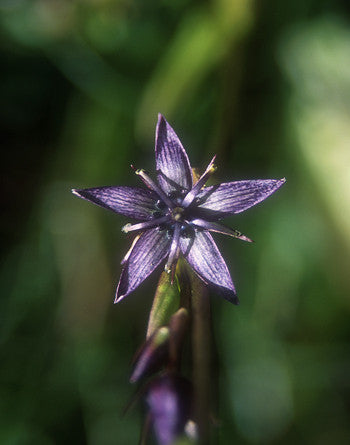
x=152 y=356
x=169 y=400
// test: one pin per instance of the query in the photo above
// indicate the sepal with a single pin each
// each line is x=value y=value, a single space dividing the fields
x=166 y=302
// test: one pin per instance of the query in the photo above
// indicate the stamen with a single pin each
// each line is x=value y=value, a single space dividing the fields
x=152 y=185
x=219 y=228
x=144 y=225
x=128 y=253
x=199 y=184
x=174 y=249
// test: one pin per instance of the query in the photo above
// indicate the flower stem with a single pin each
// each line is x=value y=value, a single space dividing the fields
x=201 y=341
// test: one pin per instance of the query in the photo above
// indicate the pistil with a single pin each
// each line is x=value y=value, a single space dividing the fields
x=177 y=214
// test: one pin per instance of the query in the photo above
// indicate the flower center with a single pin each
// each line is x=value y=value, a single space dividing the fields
x=177 y=214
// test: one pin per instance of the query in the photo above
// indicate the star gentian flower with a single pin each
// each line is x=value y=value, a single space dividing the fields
x=175 y=216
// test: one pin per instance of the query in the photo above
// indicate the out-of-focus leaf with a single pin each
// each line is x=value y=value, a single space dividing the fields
x=201 y=41
x=313 y=58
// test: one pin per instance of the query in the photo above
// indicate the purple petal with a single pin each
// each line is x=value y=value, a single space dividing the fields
x=132 y=202
x=173 y=166
x=149 y=250
x=205 y=258
x=235 y=197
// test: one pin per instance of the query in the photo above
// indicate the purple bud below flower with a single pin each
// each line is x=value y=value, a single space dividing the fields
x=169 y=400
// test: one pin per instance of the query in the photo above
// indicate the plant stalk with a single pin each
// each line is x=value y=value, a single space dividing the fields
x=201 y=341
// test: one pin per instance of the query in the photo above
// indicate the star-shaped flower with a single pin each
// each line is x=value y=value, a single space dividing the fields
x=176 y=215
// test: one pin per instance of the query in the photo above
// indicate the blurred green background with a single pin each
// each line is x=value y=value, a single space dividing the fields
x=266 y=86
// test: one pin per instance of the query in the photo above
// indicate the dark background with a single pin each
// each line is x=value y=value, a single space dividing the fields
x=266 y=86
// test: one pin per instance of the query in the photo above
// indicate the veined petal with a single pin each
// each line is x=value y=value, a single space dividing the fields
x=149 y=250
x=133 y=202
x=235 y=197
x=172 y=163
x=205 y=258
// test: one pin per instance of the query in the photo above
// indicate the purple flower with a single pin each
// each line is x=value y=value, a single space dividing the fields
x=175 y=216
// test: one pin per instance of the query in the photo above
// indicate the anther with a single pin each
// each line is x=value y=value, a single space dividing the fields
x=144 y=225
x=191 y=195
x=152 y=185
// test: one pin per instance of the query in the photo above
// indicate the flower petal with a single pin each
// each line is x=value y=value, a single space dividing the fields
x=235 y=197
x=132 y=202
x=149 y=250
x=205 y=258
x=173 y=165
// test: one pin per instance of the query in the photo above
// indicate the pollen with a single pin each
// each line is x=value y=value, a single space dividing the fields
x=177 y=213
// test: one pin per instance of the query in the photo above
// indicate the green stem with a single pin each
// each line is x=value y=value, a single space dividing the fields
x=201 y=341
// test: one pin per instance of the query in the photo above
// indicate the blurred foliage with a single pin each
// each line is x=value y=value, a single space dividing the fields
x=265 y=85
